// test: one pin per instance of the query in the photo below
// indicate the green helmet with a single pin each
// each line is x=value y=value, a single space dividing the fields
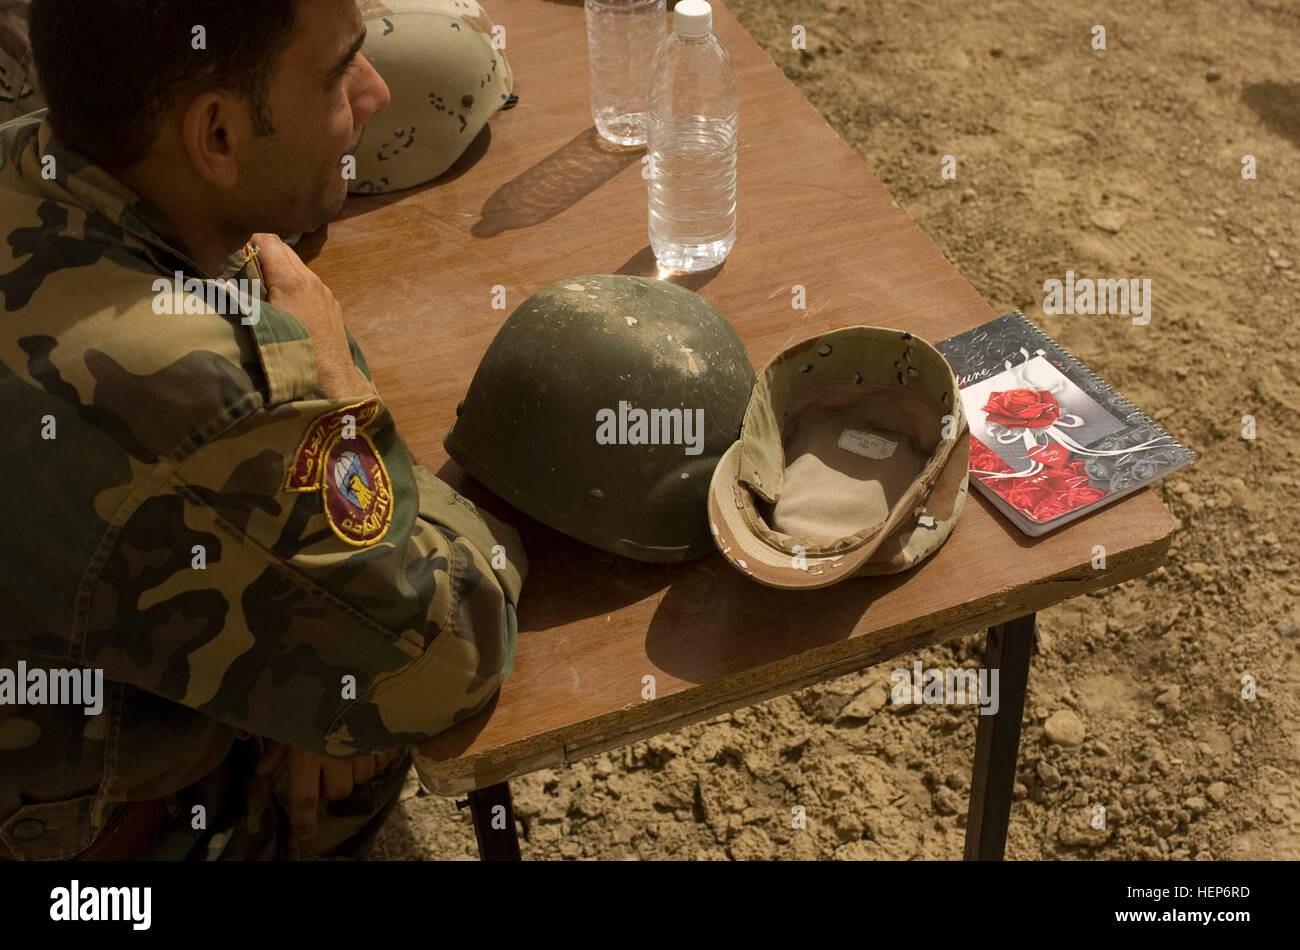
x=601 y=409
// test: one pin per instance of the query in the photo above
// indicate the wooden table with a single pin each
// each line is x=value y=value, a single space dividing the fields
x=538 y=198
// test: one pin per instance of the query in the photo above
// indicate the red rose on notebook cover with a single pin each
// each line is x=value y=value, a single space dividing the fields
x=1061 y=486
x=1057 y=503
x=1063 y=479
x=1023 y=496
x=1023 y=409
x=984 y=459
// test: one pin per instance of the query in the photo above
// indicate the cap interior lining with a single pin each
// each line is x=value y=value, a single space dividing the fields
x=833 y=498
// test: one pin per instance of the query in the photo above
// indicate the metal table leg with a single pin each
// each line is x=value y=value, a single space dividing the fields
x=494 y=822
x=997 y=741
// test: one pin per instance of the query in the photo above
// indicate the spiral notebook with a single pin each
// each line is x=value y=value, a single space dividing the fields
x=1049 y=440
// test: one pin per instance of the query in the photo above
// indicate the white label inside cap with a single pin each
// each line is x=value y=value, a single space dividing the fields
x=866 y=444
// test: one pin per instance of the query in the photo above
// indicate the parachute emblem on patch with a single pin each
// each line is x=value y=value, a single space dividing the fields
x=356 y=492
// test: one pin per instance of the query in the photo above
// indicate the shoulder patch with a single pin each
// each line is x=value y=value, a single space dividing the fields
x=337 y=458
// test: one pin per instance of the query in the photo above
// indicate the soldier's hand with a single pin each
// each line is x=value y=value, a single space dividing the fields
x=313 y=776
x=292 y=287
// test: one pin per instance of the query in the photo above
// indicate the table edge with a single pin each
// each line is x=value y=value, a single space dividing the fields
x=557 y=747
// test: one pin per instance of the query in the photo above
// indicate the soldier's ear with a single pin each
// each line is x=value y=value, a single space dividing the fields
x=211 y=127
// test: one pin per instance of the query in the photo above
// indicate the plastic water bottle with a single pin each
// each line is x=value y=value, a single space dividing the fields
x=694 y=105
x=622 y=37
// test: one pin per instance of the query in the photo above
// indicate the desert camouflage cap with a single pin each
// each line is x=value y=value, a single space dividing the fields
x=446 y=79
x=853 y=459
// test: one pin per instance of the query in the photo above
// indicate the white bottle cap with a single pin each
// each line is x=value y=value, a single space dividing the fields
x=692 y=18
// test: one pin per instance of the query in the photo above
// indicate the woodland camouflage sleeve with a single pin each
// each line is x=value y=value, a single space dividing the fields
x=298 y=578
x=206 y=526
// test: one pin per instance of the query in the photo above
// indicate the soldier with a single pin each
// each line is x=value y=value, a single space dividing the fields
x=206 y=499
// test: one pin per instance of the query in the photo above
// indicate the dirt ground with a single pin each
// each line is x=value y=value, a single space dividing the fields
x=1119 y=163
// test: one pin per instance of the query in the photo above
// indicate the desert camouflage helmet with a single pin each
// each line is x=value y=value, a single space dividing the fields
x=601 y=408
x=446 y=79
x=19 y=92
x=853 y=459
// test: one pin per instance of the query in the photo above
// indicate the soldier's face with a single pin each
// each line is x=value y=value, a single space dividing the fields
x=321 y=95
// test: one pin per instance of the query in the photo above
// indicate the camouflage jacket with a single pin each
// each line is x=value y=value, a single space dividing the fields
x=186 y=512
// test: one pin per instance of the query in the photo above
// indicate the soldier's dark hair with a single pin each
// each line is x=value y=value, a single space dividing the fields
x=110 y=69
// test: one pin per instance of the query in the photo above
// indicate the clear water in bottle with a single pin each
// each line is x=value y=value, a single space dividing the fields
x=622 y=37
x=694 y=105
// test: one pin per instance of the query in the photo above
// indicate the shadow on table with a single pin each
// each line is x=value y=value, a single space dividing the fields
x=643 y=264
x=714 y=621
x=311 y=244
x=584 y=581
x=556 y=183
